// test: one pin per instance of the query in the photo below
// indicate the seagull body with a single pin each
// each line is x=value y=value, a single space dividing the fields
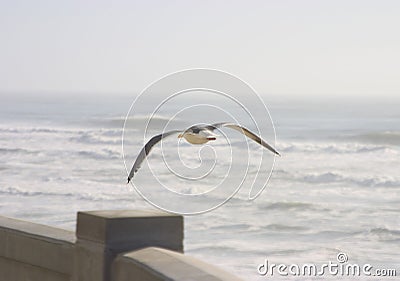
x=197 y=134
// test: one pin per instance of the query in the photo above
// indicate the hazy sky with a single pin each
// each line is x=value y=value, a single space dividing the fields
x=279 y=47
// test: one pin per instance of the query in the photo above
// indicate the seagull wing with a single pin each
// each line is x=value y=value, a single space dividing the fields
x=146 y=150
x=245 y=132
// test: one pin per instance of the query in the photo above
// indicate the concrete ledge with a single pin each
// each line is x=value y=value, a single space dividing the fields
x=37 y=245
x=155 y=264
x=129 y=228
x=102 y=235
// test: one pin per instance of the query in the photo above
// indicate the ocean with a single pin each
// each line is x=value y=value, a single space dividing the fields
x=335 y=189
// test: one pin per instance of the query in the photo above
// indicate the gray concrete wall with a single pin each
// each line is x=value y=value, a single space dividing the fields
x=155 y=264
x=109 y=245
x=102 y=235
x=30 y=251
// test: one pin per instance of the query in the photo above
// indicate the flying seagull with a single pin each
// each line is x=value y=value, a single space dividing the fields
x=198 y=134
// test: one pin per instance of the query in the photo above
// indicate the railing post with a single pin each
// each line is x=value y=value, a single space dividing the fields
x=102 y=235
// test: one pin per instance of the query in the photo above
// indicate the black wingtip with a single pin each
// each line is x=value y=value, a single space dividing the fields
x=128 y=180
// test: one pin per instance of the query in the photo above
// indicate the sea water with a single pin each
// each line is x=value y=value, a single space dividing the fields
x=336 y=188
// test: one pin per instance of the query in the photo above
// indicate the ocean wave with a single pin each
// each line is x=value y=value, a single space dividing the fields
x=382 y=234
x=9 y=130
x=12 y=150
x=111 y=132
x=91 y=137
x=337 y=177
x=332 y=148
x=386 y=137
x=233 y=227
x=285 y=206
x=17 y=151
x=46 y=130
x=29 y=130
x=385 y=231
x=285 y=228
x=289 y=252
x=103 y=154
x=15 y=191
x=334 y=177
x=214 y=248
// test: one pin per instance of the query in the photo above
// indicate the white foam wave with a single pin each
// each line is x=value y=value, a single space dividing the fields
x=333 y=148
x=91 y=137
x=337 y=177
x=17 y=151
x=103 y=154
x=30 y=130
x=380 y=234
x=18 y=191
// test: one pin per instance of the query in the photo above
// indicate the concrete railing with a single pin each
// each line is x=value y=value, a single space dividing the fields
x=108 y=245
x=31 y=251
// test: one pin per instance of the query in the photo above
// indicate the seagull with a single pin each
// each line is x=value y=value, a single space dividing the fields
x=197 y=134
